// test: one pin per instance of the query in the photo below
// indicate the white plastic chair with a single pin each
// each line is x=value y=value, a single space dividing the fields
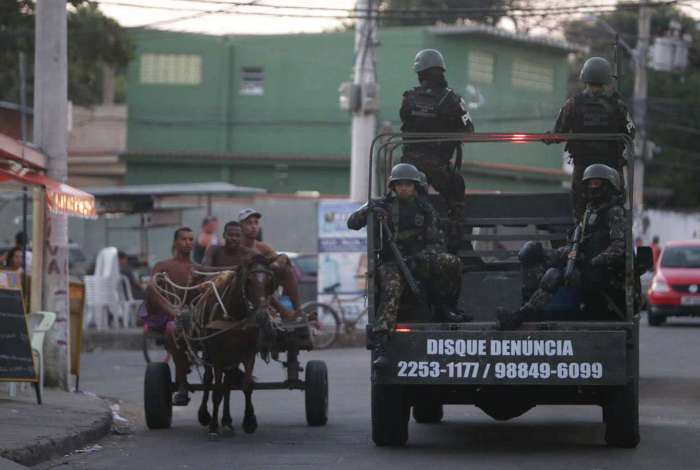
x=129 y=305
x=102 y=291
x=39 y=323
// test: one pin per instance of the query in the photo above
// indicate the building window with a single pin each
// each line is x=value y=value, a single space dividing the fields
x=532 y=76
x=252 y=81
x=171 y=69
x=480 y=67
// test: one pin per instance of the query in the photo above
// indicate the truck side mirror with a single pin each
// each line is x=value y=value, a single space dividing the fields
x=644 y=259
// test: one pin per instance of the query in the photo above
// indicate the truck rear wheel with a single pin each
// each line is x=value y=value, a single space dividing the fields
x=428 y=413
x=621 y=415
x=390 y=414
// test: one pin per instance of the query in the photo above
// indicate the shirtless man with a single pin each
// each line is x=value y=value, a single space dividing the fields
x=250 y=228
x=161 y=316
x=233 y=253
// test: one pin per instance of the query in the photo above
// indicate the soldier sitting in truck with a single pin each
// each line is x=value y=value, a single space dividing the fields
x=594 y=260
x=413 y=223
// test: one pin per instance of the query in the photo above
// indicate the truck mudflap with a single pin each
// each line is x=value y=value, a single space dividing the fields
x=507 y=358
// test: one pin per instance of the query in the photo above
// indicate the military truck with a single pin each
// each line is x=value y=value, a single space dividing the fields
x=504 y=373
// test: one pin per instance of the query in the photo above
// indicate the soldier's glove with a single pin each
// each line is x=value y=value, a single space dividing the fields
x=380 y=212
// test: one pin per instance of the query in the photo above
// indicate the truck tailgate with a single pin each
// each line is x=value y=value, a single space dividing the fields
x=507 y=358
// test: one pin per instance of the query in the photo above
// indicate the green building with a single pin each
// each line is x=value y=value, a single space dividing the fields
x=264 y=110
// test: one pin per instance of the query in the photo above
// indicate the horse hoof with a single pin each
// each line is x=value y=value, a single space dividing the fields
x=204 y=418
x=227 y=423
x=250 y=424
x=213 y=436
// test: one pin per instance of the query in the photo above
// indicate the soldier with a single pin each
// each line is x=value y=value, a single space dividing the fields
x=600 y=261
x=597 y=109
x=433 y=107
x=414 y=226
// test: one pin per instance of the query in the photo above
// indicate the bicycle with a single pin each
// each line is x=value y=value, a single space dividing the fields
x=325 y=321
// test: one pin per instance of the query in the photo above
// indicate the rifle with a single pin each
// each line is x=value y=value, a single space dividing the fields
x=400 y=261
x=575 y=247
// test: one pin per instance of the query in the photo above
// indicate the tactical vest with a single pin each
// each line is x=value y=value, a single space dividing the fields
x=430 y=110
x=596 y=114
x=597 y=240
x=409 y=222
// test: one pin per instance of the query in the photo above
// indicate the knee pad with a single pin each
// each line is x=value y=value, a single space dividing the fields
x=551 y=281
x=531 y=253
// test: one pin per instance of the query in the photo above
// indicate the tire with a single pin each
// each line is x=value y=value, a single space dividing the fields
x=654 y=319
x=428 y=413
x=316 y=393
x=326 y=328
x=157 y=396
x=621 y=415
x=389 y=416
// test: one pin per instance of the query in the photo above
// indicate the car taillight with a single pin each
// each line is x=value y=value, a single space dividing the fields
x=660 y=286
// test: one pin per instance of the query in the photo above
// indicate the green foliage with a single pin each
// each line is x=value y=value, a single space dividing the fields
x=94 y=40
x=673 y=104
x=425 y=12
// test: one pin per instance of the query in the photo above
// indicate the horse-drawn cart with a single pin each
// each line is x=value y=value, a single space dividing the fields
x=282 y=339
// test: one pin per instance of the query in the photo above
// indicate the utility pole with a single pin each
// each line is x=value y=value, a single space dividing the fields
x=640 y=104
x=50 y=129
x=364 y=99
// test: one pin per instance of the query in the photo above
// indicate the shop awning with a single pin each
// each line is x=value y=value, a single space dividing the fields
x=60 y=198
x=23 y=164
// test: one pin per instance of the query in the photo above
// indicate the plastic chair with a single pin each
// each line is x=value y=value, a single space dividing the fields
x=129 y=305
x=39 y=323
x=102 y=291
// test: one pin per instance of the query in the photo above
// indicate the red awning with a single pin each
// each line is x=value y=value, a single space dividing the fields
x=60 y=197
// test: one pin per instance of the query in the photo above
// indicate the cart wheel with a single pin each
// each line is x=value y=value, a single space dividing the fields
x=621 y=415
x=316 y=391
x=157 y=396
x=324 y=324
x=428 y=413
x=389 y=416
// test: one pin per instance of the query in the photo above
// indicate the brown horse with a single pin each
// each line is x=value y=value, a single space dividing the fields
x=234 y=316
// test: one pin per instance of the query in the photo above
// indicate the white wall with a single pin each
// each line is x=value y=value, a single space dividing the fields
x=667 y=225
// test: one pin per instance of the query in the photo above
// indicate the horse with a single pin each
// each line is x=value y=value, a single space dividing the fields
x=233 y=315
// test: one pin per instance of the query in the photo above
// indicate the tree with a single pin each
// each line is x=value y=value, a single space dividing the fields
x=424 y=12
x=94 y=40
x=673 y=104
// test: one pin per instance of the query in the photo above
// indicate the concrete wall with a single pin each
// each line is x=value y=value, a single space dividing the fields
x=667 y=225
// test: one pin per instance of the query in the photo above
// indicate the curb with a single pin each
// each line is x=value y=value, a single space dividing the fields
x=46 y=449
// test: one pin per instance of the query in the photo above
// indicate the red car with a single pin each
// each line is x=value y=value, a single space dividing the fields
x=675 y=288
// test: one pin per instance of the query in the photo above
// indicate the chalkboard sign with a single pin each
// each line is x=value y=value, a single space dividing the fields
x=16 y=361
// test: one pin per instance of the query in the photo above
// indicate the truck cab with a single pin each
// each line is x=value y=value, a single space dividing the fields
x=565 y=360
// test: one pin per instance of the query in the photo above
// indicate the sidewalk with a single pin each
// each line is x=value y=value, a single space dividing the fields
x=31 y=433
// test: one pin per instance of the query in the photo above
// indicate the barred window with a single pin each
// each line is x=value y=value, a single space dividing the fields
x=171 y=69
x=252 y=81
x=531 y=76
x=480 y=67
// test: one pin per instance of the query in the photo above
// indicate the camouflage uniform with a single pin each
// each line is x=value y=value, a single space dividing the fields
x=589 y=113
x=415 y=230
x=601 y=272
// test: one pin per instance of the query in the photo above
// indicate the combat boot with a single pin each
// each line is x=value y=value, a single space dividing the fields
x=507 y=320
x=381 y=356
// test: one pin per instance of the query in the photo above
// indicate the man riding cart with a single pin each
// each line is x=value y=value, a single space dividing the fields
x=553 y=351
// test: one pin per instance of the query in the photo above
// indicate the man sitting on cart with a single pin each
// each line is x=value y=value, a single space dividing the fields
x=250 y=228
x=160 y=313
x=413 y=223
x=233 y=253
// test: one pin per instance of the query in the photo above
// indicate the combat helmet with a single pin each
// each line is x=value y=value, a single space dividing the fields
x=404 y=172
x=427 y=59
x=596 y=71
x=602 y=172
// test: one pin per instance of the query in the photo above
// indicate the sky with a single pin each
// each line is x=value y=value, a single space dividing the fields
x=228 y=18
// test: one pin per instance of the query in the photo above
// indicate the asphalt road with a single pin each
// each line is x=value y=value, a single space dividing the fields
x=545 y=437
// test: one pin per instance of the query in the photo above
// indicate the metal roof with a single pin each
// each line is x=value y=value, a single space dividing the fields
x=471 y=28
x=184 y=189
